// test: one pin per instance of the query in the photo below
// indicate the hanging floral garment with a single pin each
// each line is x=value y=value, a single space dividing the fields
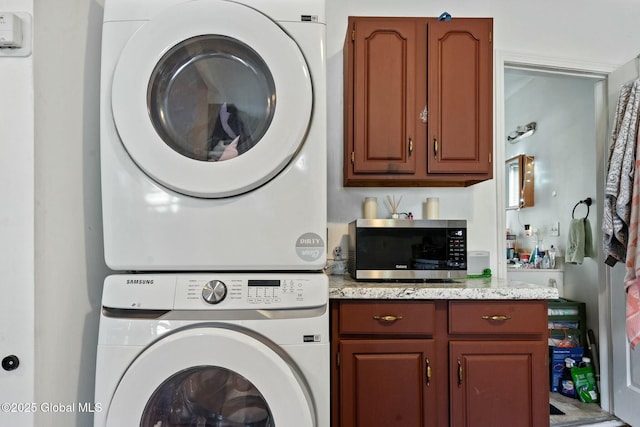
x=622 y=202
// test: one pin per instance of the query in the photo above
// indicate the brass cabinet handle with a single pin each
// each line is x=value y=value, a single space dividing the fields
x=497 y=317
x=435 y=147
x=428 y=370
x=410 y=146
x=388 y=318
x=459 y=372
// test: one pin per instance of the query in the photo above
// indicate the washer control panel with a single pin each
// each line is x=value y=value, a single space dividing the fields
x=216 y=291
x=254 y=291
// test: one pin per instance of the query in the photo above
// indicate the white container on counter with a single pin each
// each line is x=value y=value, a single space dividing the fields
x=477 y=262
x=370 y=208
x=431 y=208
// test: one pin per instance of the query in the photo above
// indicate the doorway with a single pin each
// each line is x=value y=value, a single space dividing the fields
x=560 y=109
x=619 y=366
x=568 y=105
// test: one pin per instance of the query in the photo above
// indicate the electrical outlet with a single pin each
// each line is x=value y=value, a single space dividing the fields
x=554 y=230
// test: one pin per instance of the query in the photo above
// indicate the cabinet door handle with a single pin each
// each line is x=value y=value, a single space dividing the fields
x=410 y=146
x=459 y=372
x=387 y=318
x=428 y=370
x=497 y=317
x=435 y=148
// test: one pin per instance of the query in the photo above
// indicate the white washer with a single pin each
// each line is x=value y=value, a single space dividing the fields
x=256 y=355
x=213 y=135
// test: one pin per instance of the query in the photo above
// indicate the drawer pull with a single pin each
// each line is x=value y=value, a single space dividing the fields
x=497 y=317
x=387 y=318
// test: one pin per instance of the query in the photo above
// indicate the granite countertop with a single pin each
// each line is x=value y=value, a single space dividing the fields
x=344 y=287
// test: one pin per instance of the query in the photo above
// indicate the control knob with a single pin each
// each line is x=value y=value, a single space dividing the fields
x=214 y=291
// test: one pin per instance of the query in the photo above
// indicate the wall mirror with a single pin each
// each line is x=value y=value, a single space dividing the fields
x=519 y=181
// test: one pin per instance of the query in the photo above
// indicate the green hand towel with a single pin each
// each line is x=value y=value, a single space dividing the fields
x=588 y=240
x=580 y=241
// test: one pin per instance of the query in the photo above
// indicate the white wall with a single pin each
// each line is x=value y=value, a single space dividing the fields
x=68 y=225
x=69 y=258
x=16 y=228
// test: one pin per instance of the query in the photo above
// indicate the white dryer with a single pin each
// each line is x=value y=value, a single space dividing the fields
x=223 y=350
x=213 y=135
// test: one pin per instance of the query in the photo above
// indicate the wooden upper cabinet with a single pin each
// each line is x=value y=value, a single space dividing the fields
x=460 y=96
x=384 y=90
x=417 y=101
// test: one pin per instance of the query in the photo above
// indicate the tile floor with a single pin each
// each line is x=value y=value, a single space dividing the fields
x=580 y=414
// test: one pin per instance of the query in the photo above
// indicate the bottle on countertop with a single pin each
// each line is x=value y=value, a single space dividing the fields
x=534 y=256
x=546 y=261
x=552 y=257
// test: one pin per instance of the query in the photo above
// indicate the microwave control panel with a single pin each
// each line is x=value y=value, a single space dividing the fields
x=457 y=248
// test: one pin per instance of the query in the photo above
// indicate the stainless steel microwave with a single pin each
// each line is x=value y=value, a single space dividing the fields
x=411 y=250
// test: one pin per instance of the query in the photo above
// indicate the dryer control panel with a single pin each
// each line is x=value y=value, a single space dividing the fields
x=216 y=291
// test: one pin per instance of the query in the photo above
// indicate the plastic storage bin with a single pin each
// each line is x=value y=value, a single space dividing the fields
x=567 y=317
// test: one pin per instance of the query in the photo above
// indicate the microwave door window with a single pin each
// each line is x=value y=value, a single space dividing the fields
x=383 y=249
x=384 y=253
x=430 y=253
x=394 y=249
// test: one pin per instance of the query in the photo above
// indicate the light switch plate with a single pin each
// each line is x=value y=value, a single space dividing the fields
x=554 y=230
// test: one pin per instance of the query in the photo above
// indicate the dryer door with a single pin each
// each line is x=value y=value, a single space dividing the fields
x=211 y=98
x=210 y=376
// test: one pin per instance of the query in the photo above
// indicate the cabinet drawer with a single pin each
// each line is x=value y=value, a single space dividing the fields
x=414 y=317
x=498 y=317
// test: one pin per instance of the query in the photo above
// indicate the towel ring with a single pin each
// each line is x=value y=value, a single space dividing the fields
x=587 y=202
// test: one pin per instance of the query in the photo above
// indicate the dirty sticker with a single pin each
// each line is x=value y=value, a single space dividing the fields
x=310 y=247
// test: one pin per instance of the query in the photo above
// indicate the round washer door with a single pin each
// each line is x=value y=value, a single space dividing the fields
x=211 y=376
x=211 y=98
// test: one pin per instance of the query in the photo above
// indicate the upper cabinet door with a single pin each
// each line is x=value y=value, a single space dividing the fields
x=418 y=101
x=460 y=96
x=384 y=90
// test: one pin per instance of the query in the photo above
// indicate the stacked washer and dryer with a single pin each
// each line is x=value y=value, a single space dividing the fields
x=213 y=156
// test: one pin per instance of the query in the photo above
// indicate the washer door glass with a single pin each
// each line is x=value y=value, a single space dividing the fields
x=214 y=108
x=207 y=396
x=211 y=376
x=211 y=98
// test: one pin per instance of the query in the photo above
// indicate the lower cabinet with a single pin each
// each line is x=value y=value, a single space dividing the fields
x=389 y=383
x=439 y=363
x=497 y=383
